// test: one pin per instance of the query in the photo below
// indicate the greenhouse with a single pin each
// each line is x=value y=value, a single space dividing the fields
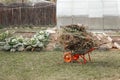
x=97 y=14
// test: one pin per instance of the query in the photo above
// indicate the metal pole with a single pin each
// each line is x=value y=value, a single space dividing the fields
x=103 y=15
x=117 y=14
x=72 y=8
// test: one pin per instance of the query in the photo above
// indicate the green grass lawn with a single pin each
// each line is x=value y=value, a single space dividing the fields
x=50 y=66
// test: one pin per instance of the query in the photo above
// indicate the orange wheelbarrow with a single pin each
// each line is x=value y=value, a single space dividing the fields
x=77 y=56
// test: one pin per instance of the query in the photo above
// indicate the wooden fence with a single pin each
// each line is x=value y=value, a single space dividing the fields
x=30 y=15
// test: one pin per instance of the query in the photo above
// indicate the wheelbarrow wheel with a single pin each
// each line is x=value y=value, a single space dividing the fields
x=67 y=57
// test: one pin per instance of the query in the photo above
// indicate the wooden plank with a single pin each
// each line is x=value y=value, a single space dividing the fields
x=116 y=45
x=115 y=49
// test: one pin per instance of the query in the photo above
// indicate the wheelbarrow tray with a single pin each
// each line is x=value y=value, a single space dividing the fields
x=84 y=51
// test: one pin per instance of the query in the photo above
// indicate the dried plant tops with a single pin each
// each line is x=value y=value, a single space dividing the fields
x=76 y=38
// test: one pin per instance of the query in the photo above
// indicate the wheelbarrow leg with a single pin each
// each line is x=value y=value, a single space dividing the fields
x=84 y=59
x=89 y=57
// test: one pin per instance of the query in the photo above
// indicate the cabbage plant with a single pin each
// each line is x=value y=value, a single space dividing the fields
x=14 y=44
x=39 y=40
x=4 y=35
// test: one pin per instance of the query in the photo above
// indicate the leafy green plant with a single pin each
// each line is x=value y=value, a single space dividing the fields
x=4 y=35
x=42 y=37
x=14 y=44
x=1 y=26
x=39 y=40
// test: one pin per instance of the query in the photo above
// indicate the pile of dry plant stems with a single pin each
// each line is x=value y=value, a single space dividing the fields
x=76 y=38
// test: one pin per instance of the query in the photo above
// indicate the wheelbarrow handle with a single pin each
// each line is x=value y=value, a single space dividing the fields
x=100 y=45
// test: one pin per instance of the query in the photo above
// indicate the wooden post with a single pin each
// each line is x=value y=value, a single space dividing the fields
x=22 y=1
x=53 y=1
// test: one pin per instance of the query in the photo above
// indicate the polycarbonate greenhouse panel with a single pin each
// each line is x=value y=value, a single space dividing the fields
x=64 y=8
x=119 y=7
x=79 y=7
x=110 y=7
x=94 y=8
x=97 y=14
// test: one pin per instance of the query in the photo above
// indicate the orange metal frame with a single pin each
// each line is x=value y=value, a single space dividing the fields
x=69 y=57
